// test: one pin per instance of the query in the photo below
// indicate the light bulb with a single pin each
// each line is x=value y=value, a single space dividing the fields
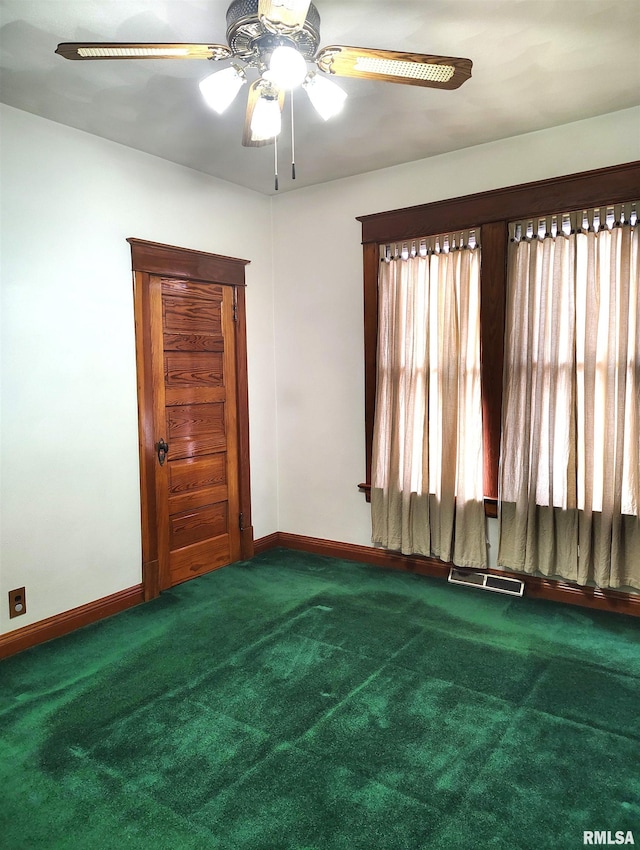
x=287 y=68
x=266 y=120
x=326 y=96
x=220 y=89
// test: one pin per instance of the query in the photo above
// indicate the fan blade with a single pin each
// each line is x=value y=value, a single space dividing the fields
x=414 y=69
x=283 y=15
x=253 y=98
x=118 y=50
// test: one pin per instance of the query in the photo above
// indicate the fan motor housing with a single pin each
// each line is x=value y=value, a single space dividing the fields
x=246 y=34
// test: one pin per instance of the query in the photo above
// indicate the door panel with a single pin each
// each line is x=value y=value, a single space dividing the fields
x=195 y=429
x=197 y=524
x=193 y=369
x=187 y=477
x=196 y=482
x=200 y=558
x=193 y=309
x=193 y=354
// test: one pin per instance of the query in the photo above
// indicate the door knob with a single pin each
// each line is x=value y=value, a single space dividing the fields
x=163 y=451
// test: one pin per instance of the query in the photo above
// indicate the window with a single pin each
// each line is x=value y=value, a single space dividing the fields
x=570 y=463
x=490 y=212
x=427 y=476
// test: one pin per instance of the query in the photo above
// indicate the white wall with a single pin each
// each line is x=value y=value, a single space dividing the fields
x=70 y=492
x=318 y=292
x=70 y=486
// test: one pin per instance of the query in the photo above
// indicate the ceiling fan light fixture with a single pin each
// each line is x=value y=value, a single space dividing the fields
x=287 y=67
x=220 y=88
x=327 y=97
x=276 y=40
x=266 y=121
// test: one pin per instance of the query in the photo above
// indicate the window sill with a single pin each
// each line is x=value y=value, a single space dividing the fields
x=366 y=489
x=490 y=505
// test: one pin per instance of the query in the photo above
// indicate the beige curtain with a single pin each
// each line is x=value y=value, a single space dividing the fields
x=570 y=464
x=427 y=475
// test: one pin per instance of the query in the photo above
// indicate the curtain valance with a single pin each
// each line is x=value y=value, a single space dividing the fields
x=566 y=224
x=424 y=246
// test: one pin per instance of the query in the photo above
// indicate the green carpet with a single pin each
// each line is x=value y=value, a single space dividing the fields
x=294 y=702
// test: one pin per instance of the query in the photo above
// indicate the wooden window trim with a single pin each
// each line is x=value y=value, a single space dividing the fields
x=491 y=211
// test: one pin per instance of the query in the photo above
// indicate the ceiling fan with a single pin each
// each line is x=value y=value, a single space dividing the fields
x=277 y=38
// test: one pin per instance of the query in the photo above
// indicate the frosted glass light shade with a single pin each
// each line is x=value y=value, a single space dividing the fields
x=287 y=67
x=266 y=121
x=220 y=89
x=327 y=97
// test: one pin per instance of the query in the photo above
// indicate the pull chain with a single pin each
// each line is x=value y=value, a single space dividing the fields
x=275 y=156
x=293 y=143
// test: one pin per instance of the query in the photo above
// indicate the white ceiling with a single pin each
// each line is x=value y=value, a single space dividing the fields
x=536 y=64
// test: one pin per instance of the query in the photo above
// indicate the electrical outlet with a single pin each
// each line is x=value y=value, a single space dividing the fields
x=17 y=602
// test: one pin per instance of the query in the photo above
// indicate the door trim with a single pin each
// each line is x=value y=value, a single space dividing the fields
x=154 y=258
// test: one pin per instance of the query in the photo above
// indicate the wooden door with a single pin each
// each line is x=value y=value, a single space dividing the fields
x=193 y=364
x=194 y=443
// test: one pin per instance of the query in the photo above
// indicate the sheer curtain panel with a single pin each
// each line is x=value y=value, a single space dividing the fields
x=427 y=465
x=570 y=462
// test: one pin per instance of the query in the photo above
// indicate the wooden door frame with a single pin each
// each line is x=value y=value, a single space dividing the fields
x=153 y=258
